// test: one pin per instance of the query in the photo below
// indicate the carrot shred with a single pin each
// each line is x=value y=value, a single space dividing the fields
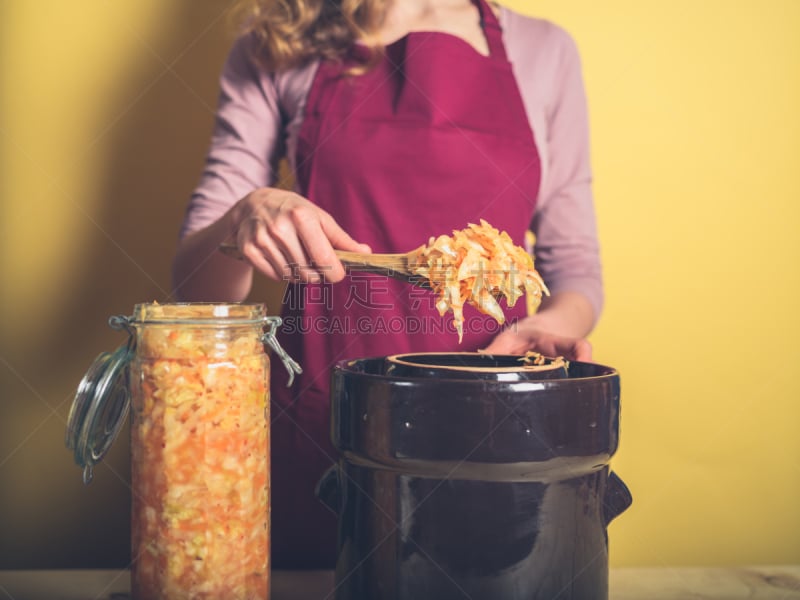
x=200 y=464
x=477 y=266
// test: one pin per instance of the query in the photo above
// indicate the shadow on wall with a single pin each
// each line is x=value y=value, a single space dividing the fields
x=156 y=149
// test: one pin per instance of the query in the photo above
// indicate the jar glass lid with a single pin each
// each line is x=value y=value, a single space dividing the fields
x=99 y=409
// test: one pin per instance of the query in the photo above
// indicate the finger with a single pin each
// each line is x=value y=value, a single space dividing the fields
x=338 y=237
x=497 y=346
x=255 y=257
x=571 y=349
x=317 y=246
x=287 y=262
x=262 y=253
x=507 y=342
x=582 y=351
x=298 y=265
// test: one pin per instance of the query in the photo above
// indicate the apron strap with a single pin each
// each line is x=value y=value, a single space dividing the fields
x=491 y=29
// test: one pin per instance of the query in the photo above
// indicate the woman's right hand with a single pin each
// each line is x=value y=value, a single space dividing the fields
x=288 y=238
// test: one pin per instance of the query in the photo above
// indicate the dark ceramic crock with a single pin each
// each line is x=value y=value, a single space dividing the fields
x=463 y=485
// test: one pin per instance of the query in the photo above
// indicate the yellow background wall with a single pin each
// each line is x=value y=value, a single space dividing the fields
x=105 y=112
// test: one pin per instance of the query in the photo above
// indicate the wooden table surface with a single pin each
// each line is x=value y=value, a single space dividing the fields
x=664 y=583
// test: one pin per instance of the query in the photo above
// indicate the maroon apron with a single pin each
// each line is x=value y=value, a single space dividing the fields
x=431 y=139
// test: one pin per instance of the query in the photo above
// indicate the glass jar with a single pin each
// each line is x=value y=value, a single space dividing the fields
x=196 y=378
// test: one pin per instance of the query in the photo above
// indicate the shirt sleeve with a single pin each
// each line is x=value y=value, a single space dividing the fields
x=246 y=143
x=548 y=69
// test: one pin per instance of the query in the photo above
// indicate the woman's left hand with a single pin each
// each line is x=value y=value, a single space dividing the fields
x=524 y=336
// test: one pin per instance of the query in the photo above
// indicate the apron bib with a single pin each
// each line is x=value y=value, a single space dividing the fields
x=432 y=138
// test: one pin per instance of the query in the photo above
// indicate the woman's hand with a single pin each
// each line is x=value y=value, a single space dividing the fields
x=524 y=336
x=288 y=238
x=567 y=313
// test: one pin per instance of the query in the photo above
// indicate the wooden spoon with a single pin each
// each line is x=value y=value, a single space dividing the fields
x=392 y=265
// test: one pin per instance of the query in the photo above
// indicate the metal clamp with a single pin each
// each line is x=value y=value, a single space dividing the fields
x=120 y=323
x=268 y=338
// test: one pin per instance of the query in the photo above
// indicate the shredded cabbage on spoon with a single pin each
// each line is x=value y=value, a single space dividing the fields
x=477 y=266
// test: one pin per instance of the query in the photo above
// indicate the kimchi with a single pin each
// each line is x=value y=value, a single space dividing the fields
x=478 y=266
x=200 y=460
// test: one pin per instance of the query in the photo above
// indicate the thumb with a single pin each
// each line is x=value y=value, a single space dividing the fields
x=504 y=343
x=582 y=350
x=338 y=237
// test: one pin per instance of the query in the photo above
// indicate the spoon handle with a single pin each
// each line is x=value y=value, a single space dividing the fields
x=393 y=265
x=374 y=263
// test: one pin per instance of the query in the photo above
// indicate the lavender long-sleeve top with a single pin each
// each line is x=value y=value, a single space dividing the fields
x=260 y=114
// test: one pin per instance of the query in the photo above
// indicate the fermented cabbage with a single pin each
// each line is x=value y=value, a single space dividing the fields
x=200 y=463
x=478 y=266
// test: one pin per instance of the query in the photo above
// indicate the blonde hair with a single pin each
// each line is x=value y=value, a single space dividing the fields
x=290 y=33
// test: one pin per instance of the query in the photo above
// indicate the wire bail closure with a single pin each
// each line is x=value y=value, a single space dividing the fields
x=269 y=339
x=120 y=322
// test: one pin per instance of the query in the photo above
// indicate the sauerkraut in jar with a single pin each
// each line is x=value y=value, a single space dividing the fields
x=200 y=453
